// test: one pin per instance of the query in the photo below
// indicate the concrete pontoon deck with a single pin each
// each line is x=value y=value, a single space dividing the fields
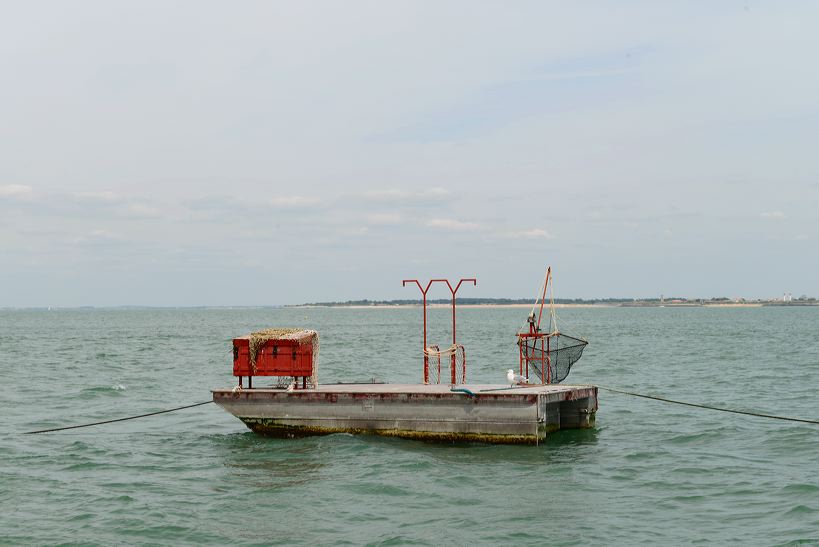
x=487 y=413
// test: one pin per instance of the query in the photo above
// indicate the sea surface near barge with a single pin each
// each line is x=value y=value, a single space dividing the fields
x=435 y=412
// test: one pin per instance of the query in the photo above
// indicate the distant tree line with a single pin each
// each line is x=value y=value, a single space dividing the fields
x=502 y=301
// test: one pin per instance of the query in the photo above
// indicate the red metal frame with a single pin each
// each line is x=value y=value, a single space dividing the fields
x=424 y=291
x=454 y=339
x=545 y=357
x=544 y=338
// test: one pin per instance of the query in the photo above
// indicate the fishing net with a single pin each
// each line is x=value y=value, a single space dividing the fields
x=259 y=338
x=551 y=357
x=442 y=359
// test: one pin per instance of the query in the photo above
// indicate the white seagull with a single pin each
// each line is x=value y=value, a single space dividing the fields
x=513 y=378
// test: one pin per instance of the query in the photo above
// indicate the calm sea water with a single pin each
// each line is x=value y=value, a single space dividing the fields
x=648 y=473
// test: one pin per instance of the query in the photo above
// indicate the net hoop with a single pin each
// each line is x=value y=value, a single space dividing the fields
x=454 y=356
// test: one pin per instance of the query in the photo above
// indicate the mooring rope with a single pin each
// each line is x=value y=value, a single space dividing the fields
x=471 y=394
x=117 y=419
x=708 y=407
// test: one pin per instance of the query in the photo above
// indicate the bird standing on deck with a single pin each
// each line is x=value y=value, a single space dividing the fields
x=513 y=378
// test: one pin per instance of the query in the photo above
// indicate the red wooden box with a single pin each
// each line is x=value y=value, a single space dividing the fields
x=292 y=354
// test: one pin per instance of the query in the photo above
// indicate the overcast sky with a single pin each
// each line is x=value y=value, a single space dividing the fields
x=219 y=153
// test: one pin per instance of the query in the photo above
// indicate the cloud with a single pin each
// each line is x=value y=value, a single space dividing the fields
x=357 y=231
x=407 y=197
x=452 y=224
x=98 y=238
x=250 y=208
x=385 y=219
x=213 y=203
x=104 y=204
x=292 y=202
x=97 y=197
x=139 y=210
x=15 y=191
x=535 y=233
x=773 y=215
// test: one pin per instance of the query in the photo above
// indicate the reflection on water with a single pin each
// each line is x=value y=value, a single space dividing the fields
x=264 y=462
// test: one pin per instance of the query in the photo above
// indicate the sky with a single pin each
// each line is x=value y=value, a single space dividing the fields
x=261 y=153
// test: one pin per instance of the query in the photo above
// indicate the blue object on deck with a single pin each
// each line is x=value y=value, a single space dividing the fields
x=462 y=390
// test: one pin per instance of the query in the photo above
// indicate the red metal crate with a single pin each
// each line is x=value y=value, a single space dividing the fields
x=293 y=354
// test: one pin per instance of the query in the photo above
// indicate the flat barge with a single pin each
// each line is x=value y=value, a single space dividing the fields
x=445 y=407
x=435 y=412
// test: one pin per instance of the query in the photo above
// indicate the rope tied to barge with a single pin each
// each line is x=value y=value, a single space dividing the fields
x=709 y=407
x=117 y=419
x=469 y=394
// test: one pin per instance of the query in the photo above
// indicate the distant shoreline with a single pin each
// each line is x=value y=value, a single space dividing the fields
x=567 y=305
x=438 y=305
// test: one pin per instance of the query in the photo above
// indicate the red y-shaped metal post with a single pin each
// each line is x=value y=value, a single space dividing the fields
x=424 y=293
x=454 y=339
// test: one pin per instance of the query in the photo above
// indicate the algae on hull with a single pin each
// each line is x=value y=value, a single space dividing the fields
x=275 y=428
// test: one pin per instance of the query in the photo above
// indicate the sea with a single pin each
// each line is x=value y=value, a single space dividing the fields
x=648 y=473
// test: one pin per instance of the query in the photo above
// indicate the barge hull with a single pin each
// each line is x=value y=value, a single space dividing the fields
x=485 y=413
